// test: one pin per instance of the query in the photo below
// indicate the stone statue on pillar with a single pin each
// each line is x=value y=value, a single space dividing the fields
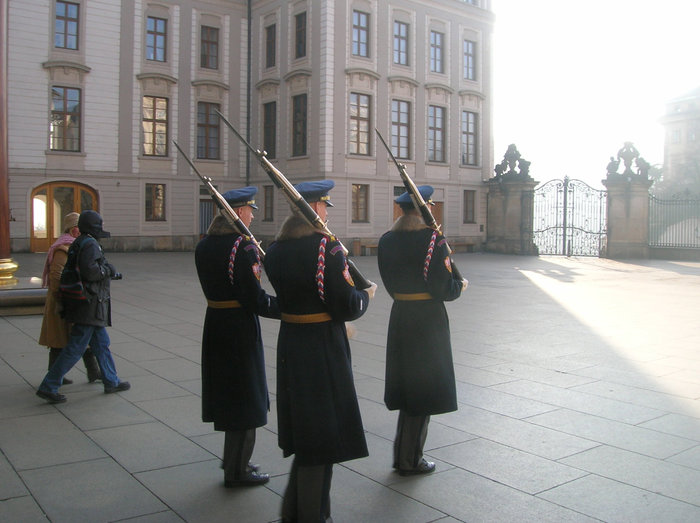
x=628 y=154
x=513 y=166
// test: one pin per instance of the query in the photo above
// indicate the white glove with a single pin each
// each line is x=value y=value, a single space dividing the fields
x=465 y=282
x=371 y=289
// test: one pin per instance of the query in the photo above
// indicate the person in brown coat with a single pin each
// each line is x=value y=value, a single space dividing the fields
x=54 y=328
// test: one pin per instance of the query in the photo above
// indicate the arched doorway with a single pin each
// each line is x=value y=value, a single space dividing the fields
x=50 y=203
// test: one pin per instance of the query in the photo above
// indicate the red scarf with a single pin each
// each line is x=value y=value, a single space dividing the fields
x=63 y=239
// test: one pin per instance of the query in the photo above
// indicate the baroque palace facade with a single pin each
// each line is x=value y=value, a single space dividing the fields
x=99 y=89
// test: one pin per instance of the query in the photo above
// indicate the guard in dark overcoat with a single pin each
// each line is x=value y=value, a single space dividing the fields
x=317 y=411
x=415 y=267
x=234 y=386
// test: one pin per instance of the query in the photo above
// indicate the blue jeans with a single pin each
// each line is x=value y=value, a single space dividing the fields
x=80 y=337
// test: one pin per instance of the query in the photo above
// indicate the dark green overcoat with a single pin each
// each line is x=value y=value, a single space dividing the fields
x=234 y=386
x=317 y=411
x=420 y=377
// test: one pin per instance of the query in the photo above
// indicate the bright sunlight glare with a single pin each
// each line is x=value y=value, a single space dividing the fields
x=575 y=80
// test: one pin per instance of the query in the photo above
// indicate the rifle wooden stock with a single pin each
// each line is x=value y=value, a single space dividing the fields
x=222 y=204
x=418 y=201
x=296 y=199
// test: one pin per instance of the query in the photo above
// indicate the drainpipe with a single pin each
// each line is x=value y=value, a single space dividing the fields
x=249 y=70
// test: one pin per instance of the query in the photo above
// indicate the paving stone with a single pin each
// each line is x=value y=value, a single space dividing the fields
x=355 y=499
x=93 y=409
x=196 y=493
x=519 y=434
x=182 y=413
x=148 y=446
x=173 y=369
x=684 y=426
x=95 y=490
x=680 y=482
x=661 y=401
x=10 y=484
x=580 y=401
x=24 y=509
x=39 y=441
x=629 y=437
x=469 y=497
x=608 y=500
x=492 y=399
x=507 y=465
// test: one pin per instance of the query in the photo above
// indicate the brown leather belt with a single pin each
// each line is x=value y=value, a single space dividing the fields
x=418 y=296
x=318 y=317
x=228 y=304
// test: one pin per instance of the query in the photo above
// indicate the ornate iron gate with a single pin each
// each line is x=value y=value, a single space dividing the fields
x=569 y=218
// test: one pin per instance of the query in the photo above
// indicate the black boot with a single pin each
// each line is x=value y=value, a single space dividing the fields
x=93 y=369
x=53 y=356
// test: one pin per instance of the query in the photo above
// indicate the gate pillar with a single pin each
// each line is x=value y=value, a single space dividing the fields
x=510 y=204
x=628 y=206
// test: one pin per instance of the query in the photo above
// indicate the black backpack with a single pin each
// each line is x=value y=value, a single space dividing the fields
x=71 y=287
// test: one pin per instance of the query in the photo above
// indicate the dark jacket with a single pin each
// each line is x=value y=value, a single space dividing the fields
x=95 y=273
x=420 y=376
x=234 y=386
x=318 y=415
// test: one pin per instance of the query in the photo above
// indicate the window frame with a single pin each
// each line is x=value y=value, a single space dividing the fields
x=300 y=125
x=300 y=35
x=62 y=133
x=401 y=42
x=437 y=134
x=209 y=47
x=360 y=33
x=469 y=141
x=270 y=46
x=67 y=21
x=360 y=203
x=360 y=125
x=469 y=59
x=437 y=40
x=269 y=114
x=150 y=203
x=268 y=203
x=158 y=36
x=469 y=203
x=397 y=147
x=154 y=124
x=211 y=128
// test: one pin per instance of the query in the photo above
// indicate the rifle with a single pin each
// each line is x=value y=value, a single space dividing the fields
x=418 y=201
x=222 y=204
x=296 y=199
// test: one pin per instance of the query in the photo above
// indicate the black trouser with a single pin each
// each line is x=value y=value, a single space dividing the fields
x=238 y=449
x=411 y=432
x=307 y=498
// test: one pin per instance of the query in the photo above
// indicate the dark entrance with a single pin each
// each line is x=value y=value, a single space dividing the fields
x=569 y=218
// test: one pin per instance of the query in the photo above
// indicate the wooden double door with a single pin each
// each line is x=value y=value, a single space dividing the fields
x=49 y=205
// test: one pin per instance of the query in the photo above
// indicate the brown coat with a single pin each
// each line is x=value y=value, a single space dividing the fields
x=54 y=329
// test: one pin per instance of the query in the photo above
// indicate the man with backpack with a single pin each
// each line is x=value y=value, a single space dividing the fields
x=89 y=314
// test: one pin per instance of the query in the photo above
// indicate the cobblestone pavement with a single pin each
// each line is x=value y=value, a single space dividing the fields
x=578 y=385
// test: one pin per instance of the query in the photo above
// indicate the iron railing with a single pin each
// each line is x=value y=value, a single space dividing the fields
x=674 y=223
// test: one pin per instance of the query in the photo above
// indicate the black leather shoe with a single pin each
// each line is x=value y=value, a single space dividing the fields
x=424 y=467
x=253 y=466
x=51 y=397
x=250 y=479
x=67 y=381
x=123 y=385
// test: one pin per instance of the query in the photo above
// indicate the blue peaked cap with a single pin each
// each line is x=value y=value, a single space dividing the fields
x=426 y=191
x=316 y=191
x=241 y=197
